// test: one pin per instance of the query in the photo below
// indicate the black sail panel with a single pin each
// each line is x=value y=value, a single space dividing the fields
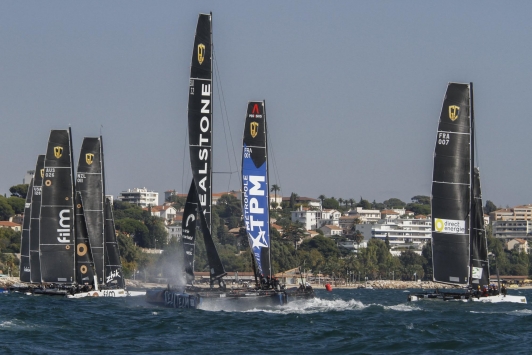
x=188 y=228
x=479 y=245
x=57 y=211
x=25 y=271
x=113 y=266
x=84 y=262
x=451 y=188
x=216 y=268
x=89 y=182
x=200 y=116
x=255 y=186
x=35 y=259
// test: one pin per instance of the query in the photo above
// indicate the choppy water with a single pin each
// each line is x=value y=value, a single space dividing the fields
x=341 y=322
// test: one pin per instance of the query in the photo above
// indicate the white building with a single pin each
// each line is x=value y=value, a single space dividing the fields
x=174 y=231
x=309 y=218
x=400 y=231
x=331 y=230
x=330 y=217
x=511 y=229
x=141 y=197
x=366 y=216
x=27 y=178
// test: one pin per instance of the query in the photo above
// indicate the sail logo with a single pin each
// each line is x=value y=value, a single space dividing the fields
x=201 y=53
x=58 y=152
x=254 y=212
x=205 y=126
x=113 y=275
x=476 y=272
x=27 y=269
x=454 y=111
x=42 y=173
x=64 y=223
x=254 y=129
x=449 y=226
x=89 y=158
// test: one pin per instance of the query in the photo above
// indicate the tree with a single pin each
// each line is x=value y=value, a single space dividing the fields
x=490 y=207
x=6 y=210
x=359 y=237
x=17 y=204
x=178 y=202
x=136 y=229
x=394 y=203
x=321 y=197
x=421 y=199
x=275 y=188
x=20 y=190
x=330 y=203
x=365 y=204
x=293 y=198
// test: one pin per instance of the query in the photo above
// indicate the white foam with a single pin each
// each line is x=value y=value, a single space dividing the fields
x=403 y=307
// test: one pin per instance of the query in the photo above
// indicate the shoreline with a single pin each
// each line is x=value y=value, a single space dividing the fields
x=6 y=282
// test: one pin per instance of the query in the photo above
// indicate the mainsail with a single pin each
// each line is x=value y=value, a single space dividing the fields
x=459 y=248
x=89 y=182
x=85 y=271
x=113 y=265
x=255 y=186
x=200 y=135
x=24 y=271
x=57 y=235
x=35 y=260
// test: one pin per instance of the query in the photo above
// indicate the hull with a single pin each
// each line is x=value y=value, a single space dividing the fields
x=172 y=298
x=108 y=293
x=466 y=297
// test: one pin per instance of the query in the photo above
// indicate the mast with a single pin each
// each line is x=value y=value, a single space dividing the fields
x=35 y=259
x=57 y=232
x=451 y=189
x=255 y=186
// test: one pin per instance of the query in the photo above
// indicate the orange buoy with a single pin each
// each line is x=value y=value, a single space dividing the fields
x=328 y=287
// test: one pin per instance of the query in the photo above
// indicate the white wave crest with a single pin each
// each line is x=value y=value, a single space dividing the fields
x=403 y=307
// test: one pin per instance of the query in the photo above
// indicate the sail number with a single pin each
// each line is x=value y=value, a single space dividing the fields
x=80 y=177
x=247 y=152
x=49 y=172
x=443 y=138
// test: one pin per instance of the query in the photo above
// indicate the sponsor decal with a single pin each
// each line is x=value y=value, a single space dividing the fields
x=254 y=129
x=449 y=226
x=58 y=152
x=89 y=158
x=82 y=249
x=113 y=275
x=27 y=269
x=83 y=269
x=42 y=173
x=64 y=223
x=203 y=153
x=454 y=111
x=476 y=272
x=201 y=53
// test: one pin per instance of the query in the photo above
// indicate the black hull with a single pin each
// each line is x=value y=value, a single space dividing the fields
x=172 y=298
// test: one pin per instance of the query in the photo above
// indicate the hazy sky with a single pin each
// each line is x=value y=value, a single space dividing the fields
x=353 y=89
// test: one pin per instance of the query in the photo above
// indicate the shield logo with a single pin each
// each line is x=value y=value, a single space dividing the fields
x=89 y=158
x=254 y=129
x=454 y=111
x=201 y=53
x=42 y=173
x=58 y=152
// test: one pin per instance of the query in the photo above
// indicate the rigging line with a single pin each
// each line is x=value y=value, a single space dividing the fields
x=223 y=105
x=274 y=165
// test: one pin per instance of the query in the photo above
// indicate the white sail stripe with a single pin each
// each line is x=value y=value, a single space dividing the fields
x=255 y=146
x=201 y=79
x=203 y=146
x=450 y=183
x=466 y=133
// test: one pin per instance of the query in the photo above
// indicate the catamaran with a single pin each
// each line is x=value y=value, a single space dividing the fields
x=459 y=244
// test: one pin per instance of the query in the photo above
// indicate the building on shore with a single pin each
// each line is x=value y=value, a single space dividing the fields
x=141 y=197
x=512 y=223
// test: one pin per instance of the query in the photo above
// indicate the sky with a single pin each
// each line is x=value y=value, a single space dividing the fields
x=353 y=90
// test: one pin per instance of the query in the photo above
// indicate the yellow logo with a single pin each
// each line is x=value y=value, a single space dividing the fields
x=42 y=173
x=454 y=111
x=201 y=53
x=254 y=129
x=89 y=158
x=58 y=152
x=438 y=224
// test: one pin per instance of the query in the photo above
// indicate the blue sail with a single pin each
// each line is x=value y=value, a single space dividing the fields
x=255 y=186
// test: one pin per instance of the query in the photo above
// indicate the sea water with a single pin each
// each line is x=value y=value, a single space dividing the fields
x=338 y=322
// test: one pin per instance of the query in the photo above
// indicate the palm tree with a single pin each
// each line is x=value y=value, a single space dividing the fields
x=351 y=202
x=340 y=201
x=274 y=189
x=322 y=197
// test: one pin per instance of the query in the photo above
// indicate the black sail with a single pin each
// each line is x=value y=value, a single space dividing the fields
x=200 y=115
x=255 y=186
x=113 y=266
x=84 y=262
x=451 y=188
x=479 y=244
x=89 y=182
x=35 y=260
x=25 y=271
x=200 y=134
x=57 y=211
x=188 y=228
